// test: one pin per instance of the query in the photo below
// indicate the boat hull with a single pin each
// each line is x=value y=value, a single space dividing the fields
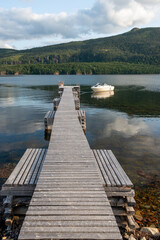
x=102 y=89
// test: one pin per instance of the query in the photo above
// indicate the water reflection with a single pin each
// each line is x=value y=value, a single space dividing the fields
x=131 y=139
x=127 y=127
x=22 y=110
x=126 y=121
x=102 y=95
x=133 y=100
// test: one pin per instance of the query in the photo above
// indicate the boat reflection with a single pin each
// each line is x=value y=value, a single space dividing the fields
x=102 y=95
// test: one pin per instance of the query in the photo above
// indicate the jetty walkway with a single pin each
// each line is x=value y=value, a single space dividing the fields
x=69 y=200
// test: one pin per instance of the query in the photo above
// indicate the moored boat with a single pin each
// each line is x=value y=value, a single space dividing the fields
x=102 y=88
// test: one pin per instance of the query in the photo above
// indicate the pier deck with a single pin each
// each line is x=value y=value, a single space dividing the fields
x=69 y=201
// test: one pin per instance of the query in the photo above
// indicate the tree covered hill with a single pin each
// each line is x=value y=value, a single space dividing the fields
x=138 y=46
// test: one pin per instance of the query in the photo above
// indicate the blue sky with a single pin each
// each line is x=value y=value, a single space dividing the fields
x=48 y=6
x=32 y=23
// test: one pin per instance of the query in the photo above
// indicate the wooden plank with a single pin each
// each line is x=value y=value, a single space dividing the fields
x=128 y=181
x=72 y=177
x=57 y=236
x=45 y=173
x=17 y=193
x=38 y=167
x=68 y=185
x=69 y=195
x=67 y=180
x=105 y=218
x=106 y=168
x=30 y=173
x=131 y=222
x=53 y=202
x=70 y=223
x=72 y=168
x=121 y=194
x=71 y=208
x=106 y=179
x=52 y=189
x=70 y=199
x=46 y=116
x=19 y=188
x=27 y=169
x=69 y=212
x=18 y=168
x=117 y=189
x=71 y=192
x=112 y=169
x=23 y=169
x=116 y=169
x=130 y=210
x=64 y=229
x=131 y=201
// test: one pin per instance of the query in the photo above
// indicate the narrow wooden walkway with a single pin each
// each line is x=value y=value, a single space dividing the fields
x=69 y=201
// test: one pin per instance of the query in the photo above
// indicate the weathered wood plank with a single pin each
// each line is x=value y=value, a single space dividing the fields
x=30 y=173
x=63 y=195
x=65 y=203
x=18 y=168
x=68 y=185
x=70 y=208
x=38 y=167
x=106 y=178
x=74 y=229
x=112 y=170
x=121 y=194
x=69 y=212
x=69 y=201
x=92 y=223
x=107 y=169
x=117 y=189
x=131 y=201
x=71 y=218
x=25 y=165
x=52 y=189
x=117 y=170
x=25 y=174
x=128 y=181
x=17 y=193
x=57 y=236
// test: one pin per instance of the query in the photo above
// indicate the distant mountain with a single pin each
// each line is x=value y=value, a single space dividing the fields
x=138 y=46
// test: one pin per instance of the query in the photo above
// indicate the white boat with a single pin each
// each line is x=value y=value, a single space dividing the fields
x=102 y=88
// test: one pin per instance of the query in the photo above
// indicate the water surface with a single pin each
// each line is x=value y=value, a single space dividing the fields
x=127 y=121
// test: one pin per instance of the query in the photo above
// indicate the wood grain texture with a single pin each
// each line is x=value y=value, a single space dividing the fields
x=69 y=201
x=112 y=172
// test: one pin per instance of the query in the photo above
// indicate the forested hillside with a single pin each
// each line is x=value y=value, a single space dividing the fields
x=137 y=51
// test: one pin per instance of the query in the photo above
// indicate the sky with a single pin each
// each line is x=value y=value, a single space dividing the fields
x=33 y=23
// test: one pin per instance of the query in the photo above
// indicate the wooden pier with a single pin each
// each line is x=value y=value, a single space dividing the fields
x=69 y=201
x=76 y=192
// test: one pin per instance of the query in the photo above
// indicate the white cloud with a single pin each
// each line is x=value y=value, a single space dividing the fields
x=105 y=17
x=152 y=2
x=131 y=14
x=4 y=44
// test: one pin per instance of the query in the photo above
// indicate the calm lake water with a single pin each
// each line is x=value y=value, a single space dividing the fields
x=127 y=121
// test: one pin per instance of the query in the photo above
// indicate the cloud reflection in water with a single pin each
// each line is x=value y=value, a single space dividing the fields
x=127 y=126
